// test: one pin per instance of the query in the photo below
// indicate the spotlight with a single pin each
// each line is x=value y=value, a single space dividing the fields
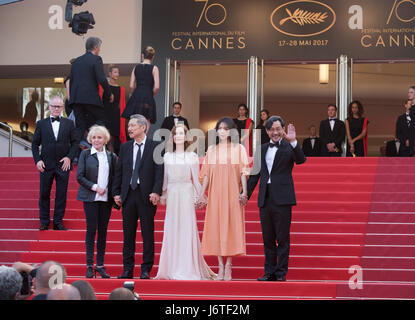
x=81 y=22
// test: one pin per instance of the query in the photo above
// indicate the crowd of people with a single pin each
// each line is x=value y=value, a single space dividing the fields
x=116 y=171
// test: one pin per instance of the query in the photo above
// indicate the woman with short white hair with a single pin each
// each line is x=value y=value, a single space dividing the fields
x=95 y=172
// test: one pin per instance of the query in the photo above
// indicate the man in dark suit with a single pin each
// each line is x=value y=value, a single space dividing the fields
x=56 y=135
x=405 y=131
x=393 y=148
x=332 y=134
x=171 y=121
x=273 y=164
x=87 y=73
x=311 y=145
x=137 y=187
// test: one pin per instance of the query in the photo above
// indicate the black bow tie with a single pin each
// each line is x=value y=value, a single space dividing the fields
x=332 y=119
x=55 y=119
x=176 y=116
x=272 y=145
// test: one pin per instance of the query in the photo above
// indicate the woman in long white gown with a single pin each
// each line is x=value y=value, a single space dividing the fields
x=180 y=257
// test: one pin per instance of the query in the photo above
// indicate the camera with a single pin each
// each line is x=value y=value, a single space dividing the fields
x=130 y=286
x=27 y=284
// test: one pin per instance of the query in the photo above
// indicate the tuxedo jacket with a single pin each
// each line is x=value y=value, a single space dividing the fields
x=150 y=173
x=87 y=175
x=403 y=131
x=52 y=150
x=87 y=73
x=168 y=122
x=282 y=185
x=308 y=149
x=391 y=150
x=337 y=136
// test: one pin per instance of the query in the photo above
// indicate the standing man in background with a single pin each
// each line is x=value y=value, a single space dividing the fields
x=332 y=134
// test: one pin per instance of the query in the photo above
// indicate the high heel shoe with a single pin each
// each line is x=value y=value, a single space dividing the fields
x=219 y=277
x=89 y=272
x=101 y=271
x=228 y=272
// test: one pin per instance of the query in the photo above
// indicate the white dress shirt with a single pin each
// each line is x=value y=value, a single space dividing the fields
x=332 y=123
x=270 y=156
x=55 y=127
x=103 y=174
x=135 y=150
x=313 y=141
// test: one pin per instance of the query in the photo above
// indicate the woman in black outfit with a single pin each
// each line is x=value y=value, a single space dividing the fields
x=356 y=130
x=243 y=122
x=264 y=115
x=95 y=173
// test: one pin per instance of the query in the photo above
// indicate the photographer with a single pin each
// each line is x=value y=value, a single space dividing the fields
x=10 y=284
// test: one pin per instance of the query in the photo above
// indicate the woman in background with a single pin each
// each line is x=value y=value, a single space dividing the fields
x=356 y=130
x=242 y=122
x=264 y=115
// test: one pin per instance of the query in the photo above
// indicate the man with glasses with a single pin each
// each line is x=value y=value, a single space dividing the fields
x=56 y=137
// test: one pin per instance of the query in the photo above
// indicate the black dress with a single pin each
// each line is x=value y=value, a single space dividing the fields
x=264 y=135
x=142 y=100
x=112 y=111
x=356 y=128
x=241 y=125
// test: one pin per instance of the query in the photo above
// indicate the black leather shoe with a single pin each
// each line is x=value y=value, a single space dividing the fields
x=126 y=275
x=59 y=227
x=281 y=278
x=101 y=271
x=44 y=227
x=89 y=272
x=145 y=275
x=270 y=277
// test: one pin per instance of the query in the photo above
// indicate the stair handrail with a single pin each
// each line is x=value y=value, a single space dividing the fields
x=10 y=137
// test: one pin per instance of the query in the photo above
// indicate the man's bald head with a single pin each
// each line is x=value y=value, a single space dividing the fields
x=46 y=271
x=121 y=294
x=66 y=292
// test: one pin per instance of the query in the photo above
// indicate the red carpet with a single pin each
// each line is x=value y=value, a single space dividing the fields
x=349 y=212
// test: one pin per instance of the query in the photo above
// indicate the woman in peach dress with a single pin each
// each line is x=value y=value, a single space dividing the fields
x=224 y=173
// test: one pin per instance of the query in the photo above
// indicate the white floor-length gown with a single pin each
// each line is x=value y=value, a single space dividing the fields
x=180 y=257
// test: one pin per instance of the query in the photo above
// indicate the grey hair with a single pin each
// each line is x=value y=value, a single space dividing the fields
x=141 y=120
x=10 y=283
x=92 y=42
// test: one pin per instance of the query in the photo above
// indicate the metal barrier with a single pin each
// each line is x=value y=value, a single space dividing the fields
x=10 y=137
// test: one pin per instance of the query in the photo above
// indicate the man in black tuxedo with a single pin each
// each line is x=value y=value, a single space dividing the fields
x=137 y=187
x=393 y=148
x=273 y=164
x=56 y=135
x=171 y=121
x=311 y=145
x=405 y=131
x=332 y=134
x=87 y=73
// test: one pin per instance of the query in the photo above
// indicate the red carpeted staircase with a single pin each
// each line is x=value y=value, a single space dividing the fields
x=350 y=212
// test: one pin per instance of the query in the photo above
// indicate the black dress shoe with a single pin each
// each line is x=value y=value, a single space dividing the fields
x=281 y=278
x=44 y=227
x=126 y=275
x=101 y=271
x=59 y=227
x=270 y=277
x=89 y=272
x=145 y=275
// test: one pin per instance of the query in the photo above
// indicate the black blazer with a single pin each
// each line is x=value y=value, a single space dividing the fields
x=309 y=151
x=87 y=72
x=391 y=150
x=168 y=122
x=54 y=150
x=150 y=173
x=337 y=136
x=282 y=184
x=403 y=131
x=87 y=175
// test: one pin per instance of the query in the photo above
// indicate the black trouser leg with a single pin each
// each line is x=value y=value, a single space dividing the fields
x=269 y=237
x=46 y=181
x=62 y=178
x=282 y=222
x=91 y=214
x=129 y=222
x=103 y=220
x=147 y=232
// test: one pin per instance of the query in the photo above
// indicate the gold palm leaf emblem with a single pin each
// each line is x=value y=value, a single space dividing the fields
x=303 y=17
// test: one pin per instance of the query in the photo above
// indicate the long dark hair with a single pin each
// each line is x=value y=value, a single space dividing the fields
x=359 y=106
x=245 y=107
x=231 y=126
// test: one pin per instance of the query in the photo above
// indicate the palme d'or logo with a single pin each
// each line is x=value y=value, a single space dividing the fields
x=303 y=18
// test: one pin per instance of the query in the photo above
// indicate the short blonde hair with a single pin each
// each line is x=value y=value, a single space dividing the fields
x=98 y=129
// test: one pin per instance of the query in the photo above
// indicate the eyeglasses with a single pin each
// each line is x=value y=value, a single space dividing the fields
x=56 y=107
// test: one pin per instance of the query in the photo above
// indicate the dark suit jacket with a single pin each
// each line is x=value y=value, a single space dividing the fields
x=309 y=151
x=87 y=72
x=54 y=150
x=391 y=150
x=87 y=175
x=150 y=173
x=403 y=133
x=168 y=122
x=337 y=136
x=282 y=184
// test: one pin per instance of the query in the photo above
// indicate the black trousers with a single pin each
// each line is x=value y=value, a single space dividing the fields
x=46 y=182
x=87 y=115
x=275 y=223
x=97 y=216
x=135 y=208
